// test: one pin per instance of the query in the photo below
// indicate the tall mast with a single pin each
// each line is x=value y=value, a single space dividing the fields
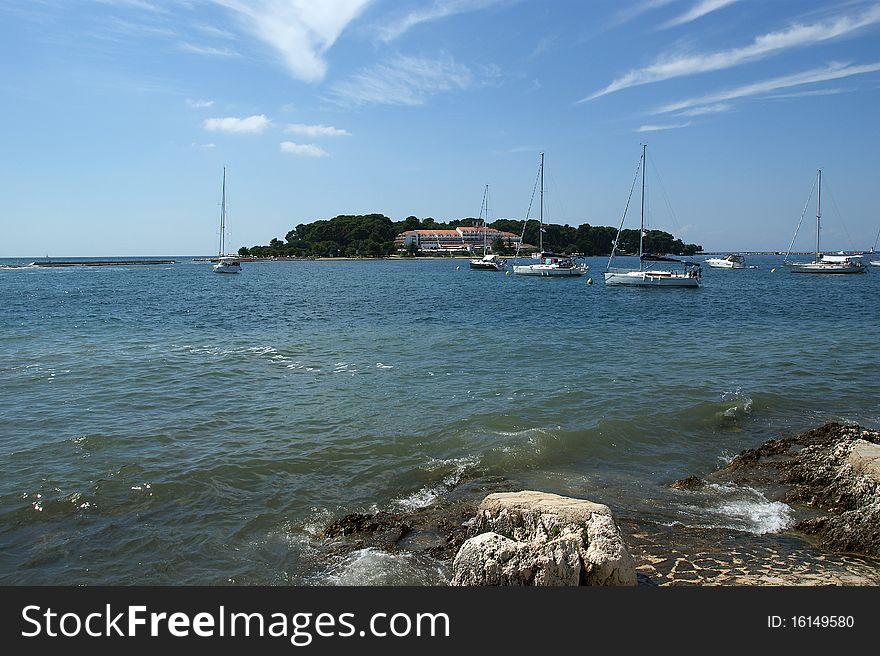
x=818 y=209
x=485 y=217
x=223 y=215
x=642 y=226
x=541 y=211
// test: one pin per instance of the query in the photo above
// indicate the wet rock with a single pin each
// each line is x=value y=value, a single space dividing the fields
x=834 y=469
x=437 y=530
x=689 y=483
x=536 y=538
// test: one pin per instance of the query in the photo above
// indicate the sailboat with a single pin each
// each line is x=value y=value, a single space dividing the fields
x=548 y=264
x=649 y=275
x=875 y=263
x=487 y=262
x=824 y=263
x=225 y=263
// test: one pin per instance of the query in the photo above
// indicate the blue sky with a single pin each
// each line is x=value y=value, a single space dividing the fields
x=118 y=116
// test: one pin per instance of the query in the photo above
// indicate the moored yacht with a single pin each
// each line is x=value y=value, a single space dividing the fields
x=732 y=261
x=225 y=263
x=824 y=263
x=653 y=270
x=548 y=264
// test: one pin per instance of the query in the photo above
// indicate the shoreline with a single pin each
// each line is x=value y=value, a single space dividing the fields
x=677 y=554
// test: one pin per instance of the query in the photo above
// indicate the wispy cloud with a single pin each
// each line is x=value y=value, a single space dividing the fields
x=436 y=10
x=631 y=12
x=234 y=125
x=833 y=71
x=199 y=104
x=717 y=108
x=134 y=4
x=698 y=10
x=810 y=94
x=316 y=130
x=405 y=80
x=762 y=46
x=301 y=32
x=209 y=51
x=657 y=128
x=306 y=150
x=206 y=145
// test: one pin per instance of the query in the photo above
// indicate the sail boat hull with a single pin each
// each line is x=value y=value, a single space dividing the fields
x=828 y=267
x=488 y=263
x=649 y=278
x=227 y=265
x=549 y=270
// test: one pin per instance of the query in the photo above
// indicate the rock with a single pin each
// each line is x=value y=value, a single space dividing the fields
x=834 y=469
x=536 y=538
x=689 y=483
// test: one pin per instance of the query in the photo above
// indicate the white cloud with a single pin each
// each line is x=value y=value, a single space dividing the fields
x=316 y=130
x=251 y=124
x=631 y=12
x=307 y=150
x=706 y=109
x=811 y=93
x=833 y=71
x=698 y=10
x=762 y=46
x=437 y=9
x=404 y=80
x=209 y=51
x=657 y=128
x=199 y=104
x=207 y=145
x=300 y=31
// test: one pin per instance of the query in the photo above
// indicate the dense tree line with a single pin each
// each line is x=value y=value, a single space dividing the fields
x=372 y=235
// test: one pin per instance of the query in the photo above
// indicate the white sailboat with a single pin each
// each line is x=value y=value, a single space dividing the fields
x=650 y=272
x=488 y=262
x=225 y=263
x=824 y=263
x=548 y=264
x=875 y=263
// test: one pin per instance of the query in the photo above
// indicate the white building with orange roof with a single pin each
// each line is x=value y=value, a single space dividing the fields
x=463 y=239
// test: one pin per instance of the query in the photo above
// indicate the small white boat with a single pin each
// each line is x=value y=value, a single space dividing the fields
x=225 y=263
x=651 y=271
x=732 y=261
x=489 y=262
x=547 y=265
x=875 y=263
x=824 y=263
x=552 y=264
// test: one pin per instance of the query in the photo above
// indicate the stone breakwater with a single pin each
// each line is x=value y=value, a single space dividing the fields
x=829 y=475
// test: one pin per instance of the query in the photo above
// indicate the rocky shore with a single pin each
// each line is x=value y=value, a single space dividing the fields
x=830 y=476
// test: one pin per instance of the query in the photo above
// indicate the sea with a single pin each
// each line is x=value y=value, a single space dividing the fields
x=165 y=425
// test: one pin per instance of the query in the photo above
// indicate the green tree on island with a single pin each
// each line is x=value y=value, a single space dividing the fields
x=372 y=235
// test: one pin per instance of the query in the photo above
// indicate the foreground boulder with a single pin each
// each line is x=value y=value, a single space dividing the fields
x=535 y=538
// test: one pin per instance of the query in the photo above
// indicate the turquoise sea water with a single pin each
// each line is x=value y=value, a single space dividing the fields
x=166 y=425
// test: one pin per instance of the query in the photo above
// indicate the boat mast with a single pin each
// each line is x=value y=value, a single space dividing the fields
x=642 y=226
x=541 y=211
x=485 y=217
x=818 y=209
x=223 y=215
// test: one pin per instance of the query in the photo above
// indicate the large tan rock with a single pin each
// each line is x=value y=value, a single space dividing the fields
x=864 y=457
x=536 y=538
